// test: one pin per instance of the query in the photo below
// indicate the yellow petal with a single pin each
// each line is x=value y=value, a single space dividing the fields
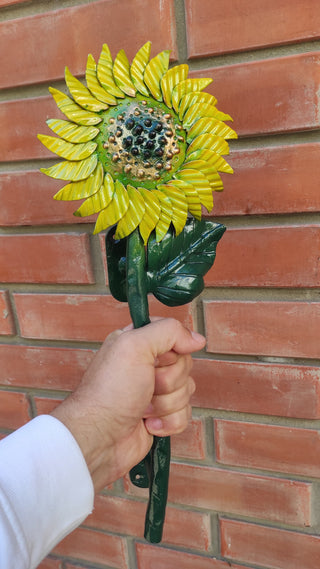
x=73 y=171
x=216 y=162
x=155 y=69
x=199 y=110
x=72 y=111
x=138 y=66
x=121 y=73
x=71 y=132
x=93 y=83
x=82 y=189
x=99 y=200
x=211 y=174
x=179 y=206
x=67 y=150
x=199 y=181
x=115 y=210
x=105 y=74
x=172 y=78
x=151 y=215
x=212 y=126
x=193 y=98
x=82 y=95
x=165 y=215
x=213 y=142
x=187 y=86
x=192 y=196
x=134 y=214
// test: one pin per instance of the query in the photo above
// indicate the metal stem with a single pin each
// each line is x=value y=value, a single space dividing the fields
x=154 y=469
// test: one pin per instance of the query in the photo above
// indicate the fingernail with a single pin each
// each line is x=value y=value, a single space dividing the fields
x=155 y=424
x=198 y=337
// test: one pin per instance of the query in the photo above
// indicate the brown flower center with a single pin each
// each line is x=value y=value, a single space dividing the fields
x=141 y=142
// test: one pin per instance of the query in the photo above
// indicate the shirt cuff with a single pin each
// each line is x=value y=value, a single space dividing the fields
x=46 y=482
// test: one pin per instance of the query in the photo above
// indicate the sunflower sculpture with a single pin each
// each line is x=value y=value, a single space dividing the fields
x=142 y=145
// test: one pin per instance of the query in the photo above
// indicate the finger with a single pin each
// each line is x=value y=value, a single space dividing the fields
x=165 y=335
x=171 y=378
x=166 y=359
x=168 y=425
x=162 y=405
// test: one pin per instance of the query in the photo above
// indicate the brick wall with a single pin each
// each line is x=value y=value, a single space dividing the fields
x=245 y=475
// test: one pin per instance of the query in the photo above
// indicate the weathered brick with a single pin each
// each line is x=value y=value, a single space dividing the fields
x=43 y=367
x=46 y=258
x=245 y=24
x=262 y=388
x=190 y=443
x=272 y=548
x=161 y=558
x=14 y=409
x=27 y=199
x=286 y=101
x=240 y=493
x=21 y=121
x=279 y=179
x=71 y=33
x=221 y=490
x=289 y=329
x=246 y=257
x=80 y=317
x=270 y=447
x=7 y=326
x=45 y=405
x=96 y=547
x=120 y=515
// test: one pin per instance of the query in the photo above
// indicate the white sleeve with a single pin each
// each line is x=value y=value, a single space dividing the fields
x=46 y=491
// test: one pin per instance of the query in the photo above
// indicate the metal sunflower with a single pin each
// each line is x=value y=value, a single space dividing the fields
x=142 y=145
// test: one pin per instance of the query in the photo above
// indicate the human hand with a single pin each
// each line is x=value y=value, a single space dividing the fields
x=138 y=385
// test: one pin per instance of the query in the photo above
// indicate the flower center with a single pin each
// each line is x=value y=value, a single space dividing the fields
x=141 y=142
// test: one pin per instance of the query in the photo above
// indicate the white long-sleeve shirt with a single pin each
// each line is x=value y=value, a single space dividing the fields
x=46 y=491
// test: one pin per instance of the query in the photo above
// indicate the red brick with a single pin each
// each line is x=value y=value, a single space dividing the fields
x=7 y=326
x=262 y=388
x=49 y=563
x=280 y=179
x=14 y=409
x=27 y=199
x=274 y=499
x=273 y=548
x=269 y=96
x=21 y=121
x=246 y=257
x=289 y=329
x=80 y=317
x=96 y=547
x=190 y=443
x=183 y=528
x=161 y=558
x=71 y=33
x=246 y=24
x=43 y=367
x=46 y=258
x=45 y=405
x=269 y=447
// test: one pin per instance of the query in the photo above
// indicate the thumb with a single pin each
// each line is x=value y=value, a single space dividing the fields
x=168 y=334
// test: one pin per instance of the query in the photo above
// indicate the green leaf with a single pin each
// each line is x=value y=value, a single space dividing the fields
x=176 y=266
x=116 y=262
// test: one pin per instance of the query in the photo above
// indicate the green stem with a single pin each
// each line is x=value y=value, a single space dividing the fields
x=154 y=469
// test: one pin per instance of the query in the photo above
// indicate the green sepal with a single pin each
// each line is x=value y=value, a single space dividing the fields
x=176 y=266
